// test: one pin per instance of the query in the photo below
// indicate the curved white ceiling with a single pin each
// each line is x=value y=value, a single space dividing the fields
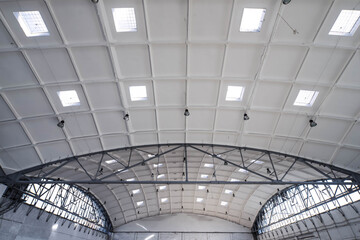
x=186 y=53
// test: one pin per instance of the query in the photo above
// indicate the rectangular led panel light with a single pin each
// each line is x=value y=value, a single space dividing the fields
x=124 y=19
x=306 y=98
x=252 y=19
x=69 y=98
x=32 y=23
x=346 y=23
x=138 y=93
x=234 y=93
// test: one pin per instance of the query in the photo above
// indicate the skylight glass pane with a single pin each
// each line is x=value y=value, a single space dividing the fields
x=110 y=161
x=234 y=180
x=157 y=165
x=161 y=176
x=243 y=170
x=201 y=187
x=204 y=176
x=306 y=98
x=140 y=203
x=252 y=19
x=32 y=23
x=209 y=165
x=162 y=187
x=138 y=93
x=130 y=179
x=228 y=191
x=136 y=191
x=124 y=19
x=69 y=98
x=346 y=23
x=234 y=93
x=223 y=203
x=163 y=200
x=257 y=161
x=199 y=199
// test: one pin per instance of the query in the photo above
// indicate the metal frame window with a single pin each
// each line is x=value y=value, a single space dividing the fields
x=302 y=201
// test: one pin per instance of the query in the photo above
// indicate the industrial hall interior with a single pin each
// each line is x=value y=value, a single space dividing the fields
x=179 y=119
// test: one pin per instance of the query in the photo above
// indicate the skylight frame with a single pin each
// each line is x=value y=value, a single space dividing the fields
x=138 y=93
x=351 y=19
x=26 y=19
x=69 y=98
x=124 y=20
x=234 y=94
x=252 y=19
x=306 y=98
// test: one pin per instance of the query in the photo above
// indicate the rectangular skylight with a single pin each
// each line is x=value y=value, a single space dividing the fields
x=124 y=19
x=257 y=162
x=161 y=176
x=306 y=98
x=32 y=23
x=204 y=176
x=138 y=93
x=252 y=19
x=243 y=170
x=156 y=165
x=223 y=203
x=209 y=165
x=140 y=203
x=164 y=200
x=201 y=187
x=199 y=199
x=228 y=191
x=346 y=23
x=234 y=180
x=234 y=93
x=69 y=98
x=136 y=191
x=162 y=187
x=151 y=155
x=130 y=179
x=110 y=161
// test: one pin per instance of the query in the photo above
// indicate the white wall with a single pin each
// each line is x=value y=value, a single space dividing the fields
x=18 y=226
x=338 y=227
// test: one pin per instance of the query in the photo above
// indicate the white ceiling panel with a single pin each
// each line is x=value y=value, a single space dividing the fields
x=52 y=65
x=110 y=122
x=171 y=137
x=19 y=158
x=353 y=137
x=282 y=62
x=115 y=141
x=143 y=138
x=12 y=135
x=293 y=125
x=134 y=60
x=292 y=16
x=143 y=120
x=169 y=60
x=171 y=119
x=78 y=20
x=6 y=113
x=202 y=92
x=348 y=158
x=6 y=40
x=271 y=95
x=80 y=125
x=110 y=93
x=170 y=92
x=205 y=59
x=201 y=119
x=55 y=98
x=86 y=145
x=317 y=151
x=222 y=117
x=342 y=102
x=286 y=145
x=255 y=141
x=329 y=130
x=167 y=20
x=242 y=60
x=9 y=7
x=53 y=151
x=198 y=137
x=93 y=63
x=225 y=138
x=15 y=71
x=209 y=19
x=44 y=129
x=260 y=122
x=29 y=102
x=352 y=70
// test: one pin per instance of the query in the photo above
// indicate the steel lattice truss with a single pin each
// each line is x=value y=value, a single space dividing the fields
x=184 y=164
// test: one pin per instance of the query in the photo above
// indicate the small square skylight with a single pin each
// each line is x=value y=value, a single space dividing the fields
x=164 y=200
x=140 y=203
x=111 y=161
x=138 y=93
x=234 y=180
x=32 y=23
x=156 y=165
x=151 y=155
x=69 y=98
x=130 y=179
x=234 y=93
x=252 y=19
x=209 y=165
x=136 y=191
x=162 y=187
x=243 y=170
x=124 y=19
x=306 y=98
x=204 y=176
x=223 y=203
x=257 y=162
x=161 y=176
x=228 y=191
x=346 y=23
x=201 y=187
x=199 y=199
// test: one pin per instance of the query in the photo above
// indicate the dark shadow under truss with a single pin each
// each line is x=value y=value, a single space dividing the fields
x=184 y=164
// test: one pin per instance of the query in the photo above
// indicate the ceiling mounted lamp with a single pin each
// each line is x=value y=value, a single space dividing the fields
x=285 y=2
x=187 y=113
x=312 y=123
x=95 y=1
x=126 y=117
x=246 y=117
x=61 y=124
